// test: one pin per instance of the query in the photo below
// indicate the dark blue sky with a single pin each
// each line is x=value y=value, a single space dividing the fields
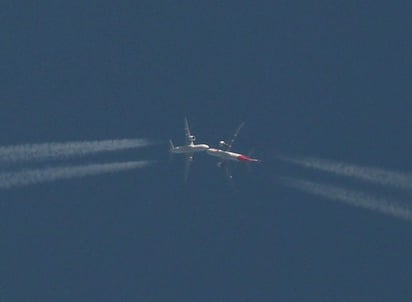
x=326 y=79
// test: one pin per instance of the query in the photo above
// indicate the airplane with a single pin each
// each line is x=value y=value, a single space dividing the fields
x=189 y=149
x=226 y=155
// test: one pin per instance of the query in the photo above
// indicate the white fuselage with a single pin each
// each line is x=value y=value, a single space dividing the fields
x=190 y=148
x=226 y=155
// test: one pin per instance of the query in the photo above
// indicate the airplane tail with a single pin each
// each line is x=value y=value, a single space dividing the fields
x=250 y=154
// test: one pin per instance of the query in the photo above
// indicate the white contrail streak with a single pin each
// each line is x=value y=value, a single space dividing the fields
x=50 y=151
x=369 y=174
x=353 y=198
x=30 y=177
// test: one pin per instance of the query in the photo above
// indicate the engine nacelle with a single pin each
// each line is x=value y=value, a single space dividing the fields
x=222 y=143
x=193 y=138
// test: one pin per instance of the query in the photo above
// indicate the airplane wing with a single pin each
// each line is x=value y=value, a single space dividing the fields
x=230 y=144
x=189 y=137
x=188 y=161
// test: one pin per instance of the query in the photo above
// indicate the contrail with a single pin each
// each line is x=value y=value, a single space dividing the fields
x=354 y=198
x=369 y=174
x=30 y=177
x=50 y=151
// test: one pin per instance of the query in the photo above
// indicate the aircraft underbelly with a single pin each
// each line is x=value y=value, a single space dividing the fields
x=190 y=149
x=221 y=154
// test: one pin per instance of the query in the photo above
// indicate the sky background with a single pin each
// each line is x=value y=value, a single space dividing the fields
x=330 y=79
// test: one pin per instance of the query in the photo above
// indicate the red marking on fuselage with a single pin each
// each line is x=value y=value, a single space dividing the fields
x=244 y=158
